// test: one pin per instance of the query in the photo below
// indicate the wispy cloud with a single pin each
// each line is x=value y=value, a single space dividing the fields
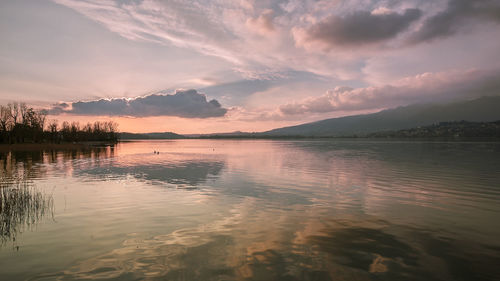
x=193 y=26
x=262 y=39
x=186 y=104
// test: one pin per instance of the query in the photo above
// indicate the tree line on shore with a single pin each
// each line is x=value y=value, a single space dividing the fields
x=22 y=124
x=455 y=129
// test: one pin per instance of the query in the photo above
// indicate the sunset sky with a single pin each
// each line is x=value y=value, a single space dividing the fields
x=225 y=65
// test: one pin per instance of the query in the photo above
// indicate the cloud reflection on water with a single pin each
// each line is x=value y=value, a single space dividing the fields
x=299 y=210
x=183 y=174
x=231 y=249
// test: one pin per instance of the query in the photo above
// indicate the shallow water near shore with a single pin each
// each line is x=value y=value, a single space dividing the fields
x=255 y=210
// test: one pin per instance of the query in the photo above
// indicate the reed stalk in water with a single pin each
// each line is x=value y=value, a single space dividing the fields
x=21 y=207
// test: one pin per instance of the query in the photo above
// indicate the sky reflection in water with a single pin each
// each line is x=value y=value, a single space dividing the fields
x=263 y=210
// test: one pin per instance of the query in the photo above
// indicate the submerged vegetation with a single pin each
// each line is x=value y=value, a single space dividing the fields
x=22 y=124
x=21 y=206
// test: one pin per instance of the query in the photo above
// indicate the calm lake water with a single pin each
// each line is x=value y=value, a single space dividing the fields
x=253 y=210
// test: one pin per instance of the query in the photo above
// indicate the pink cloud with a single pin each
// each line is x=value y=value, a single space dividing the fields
x=263 y=24
x=425 y=87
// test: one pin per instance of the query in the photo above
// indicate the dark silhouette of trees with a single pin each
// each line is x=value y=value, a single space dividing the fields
x=22 y=124
x=456 y=129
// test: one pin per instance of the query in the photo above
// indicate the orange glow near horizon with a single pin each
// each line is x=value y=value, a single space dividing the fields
x=226 y=124
x=176 y=124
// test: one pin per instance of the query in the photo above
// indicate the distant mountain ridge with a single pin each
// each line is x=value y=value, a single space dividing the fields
x=484 y=109
x=213 y=135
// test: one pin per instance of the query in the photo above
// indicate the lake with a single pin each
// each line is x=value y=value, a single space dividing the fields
x=253 y=210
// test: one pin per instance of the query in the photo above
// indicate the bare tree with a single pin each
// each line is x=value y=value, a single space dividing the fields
x=20 y=123
x=5 y=123
x=52 y=126
x=74 y=129
x=5 y=118
x=42 y=116
x=14 y=109
x=23 y=110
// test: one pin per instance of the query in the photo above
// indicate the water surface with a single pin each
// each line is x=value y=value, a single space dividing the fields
x=254 y=210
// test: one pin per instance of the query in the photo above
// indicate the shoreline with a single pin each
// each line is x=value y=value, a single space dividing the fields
x=48 y=146
x=344 y=138
x=86 y=145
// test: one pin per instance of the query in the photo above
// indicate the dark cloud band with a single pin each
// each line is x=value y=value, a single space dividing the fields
x=362 y=27
x=450 y=20
x=186 y=104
